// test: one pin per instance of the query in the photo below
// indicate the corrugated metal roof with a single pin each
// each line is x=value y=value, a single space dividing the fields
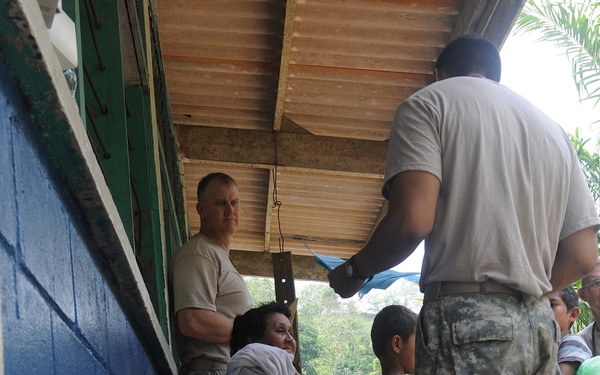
x=295 y=101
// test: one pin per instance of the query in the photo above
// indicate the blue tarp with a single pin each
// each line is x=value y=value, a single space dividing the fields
x=380 y=281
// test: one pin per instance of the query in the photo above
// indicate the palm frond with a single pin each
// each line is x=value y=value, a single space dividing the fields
x=573 y=26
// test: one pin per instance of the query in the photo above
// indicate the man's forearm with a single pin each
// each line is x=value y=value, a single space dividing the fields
x=575 y=258
x=205 y=325
x=387 y=247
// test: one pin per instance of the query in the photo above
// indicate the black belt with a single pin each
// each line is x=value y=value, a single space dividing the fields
x=436 y=290
x=205 y=364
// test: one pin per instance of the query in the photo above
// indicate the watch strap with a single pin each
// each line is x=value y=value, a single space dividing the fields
x=355 y=274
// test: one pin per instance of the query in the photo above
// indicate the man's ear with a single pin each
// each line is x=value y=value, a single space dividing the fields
x=396 y=343
x=199 y=209
x=574 y=314
x=581 y=294
x=439 y=74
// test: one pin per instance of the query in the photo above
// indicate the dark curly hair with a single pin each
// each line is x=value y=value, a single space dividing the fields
x=251 y=326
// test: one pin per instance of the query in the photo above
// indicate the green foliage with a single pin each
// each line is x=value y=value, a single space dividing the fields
x=262 y=289
x=573 y=26
x=590 y=165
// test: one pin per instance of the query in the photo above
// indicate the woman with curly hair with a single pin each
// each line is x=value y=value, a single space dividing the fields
x=262 y=342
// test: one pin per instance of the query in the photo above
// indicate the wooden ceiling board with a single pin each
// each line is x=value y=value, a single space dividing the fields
x=295 y=99
x=330 y=126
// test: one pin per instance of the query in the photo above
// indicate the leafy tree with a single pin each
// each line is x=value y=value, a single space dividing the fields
x=590 y=165
x=401 y=292
x=262 y=289
x=573 y=26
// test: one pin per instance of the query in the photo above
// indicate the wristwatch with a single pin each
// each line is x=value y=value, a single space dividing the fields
x=351 y=271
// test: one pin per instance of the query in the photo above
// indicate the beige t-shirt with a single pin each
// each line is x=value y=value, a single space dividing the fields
x=591 y=336
x=202 y=276
x=511 y=184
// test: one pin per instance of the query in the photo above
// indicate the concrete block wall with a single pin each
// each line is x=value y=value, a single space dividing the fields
x=59 y=312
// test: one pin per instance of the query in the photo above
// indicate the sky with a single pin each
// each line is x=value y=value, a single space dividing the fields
x=542 y=74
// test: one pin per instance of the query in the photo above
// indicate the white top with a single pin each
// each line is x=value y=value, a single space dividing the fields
x=261 y=359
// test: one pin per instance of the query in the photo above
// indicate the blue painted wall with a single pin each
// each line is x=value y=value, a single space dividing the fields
x=59 y=314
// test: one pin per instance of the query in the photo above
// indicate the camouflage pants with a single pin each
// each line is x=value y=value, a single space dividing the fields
x=489 y=334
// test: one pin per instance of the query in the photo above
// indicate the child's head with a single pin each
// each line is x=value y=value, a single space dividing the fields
x=565 y=305
x=393 y=338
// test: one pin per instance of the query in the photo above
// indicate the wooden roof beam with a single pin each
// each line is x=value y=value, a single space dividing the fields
x=492 y=19
x=288 y=31
x=260 y=264
x=307 y=151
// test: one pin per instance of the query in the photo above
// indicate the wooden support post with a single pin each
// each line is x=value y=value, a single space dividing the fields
x=285 y=292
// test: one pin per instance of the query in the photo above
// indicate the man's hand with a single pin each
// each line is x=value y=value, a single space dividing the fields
x=342 y=284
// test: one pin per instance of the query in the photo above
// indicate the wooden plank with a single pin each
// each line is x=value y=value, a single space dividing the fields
x=379 y=77
x=220 y=102
x=197 y=38
x=283 y=274
x=300 y=86
x=469 y=17
x=261 y=93
x=229 y=53
x=134 y=61
x=256 y=23
x=328 y=104
x=345 y=108
x=145 y=186
x=285 y=62
x=398 y=35
x=503 y=20
x=106 y=112
x=492 y=19
x=296 y=150
x=207 y=66
x=261 y=264
x=232 y=113
x=267 y=9
x=362 y=62
x=214 y=78
x=413 y=6
x=365 y=16
x=329 y=126
x=384 y=49
x=220 y=122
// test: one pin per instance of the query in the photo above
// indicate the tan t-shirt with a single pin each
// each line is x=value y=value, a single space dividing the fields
x=511 y=184
x=591 y=336
x=202 y=276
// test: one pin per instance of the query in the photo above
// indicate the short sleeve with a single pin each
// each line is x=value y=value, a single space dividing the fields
x=581 y=210
x=414 y=141
x=195 y=283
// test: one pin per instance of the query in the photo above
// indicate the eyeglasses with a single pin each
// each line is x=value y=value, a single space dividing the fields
x=592 y=285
